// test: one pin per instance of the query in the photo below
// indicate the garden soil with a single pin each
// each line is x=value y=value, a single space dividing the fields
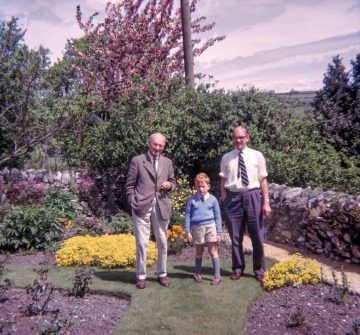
x=309 y=309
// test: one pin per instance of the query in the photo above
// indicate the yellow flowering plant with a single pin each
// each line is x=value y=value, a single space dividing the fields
x=178 y=200
x=293 y=272
x=177 y=239
x=107 y=251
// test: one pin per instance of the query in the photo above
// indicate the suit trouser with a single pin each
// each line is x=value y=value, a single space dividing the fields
x=240 y=209
x=142 y=235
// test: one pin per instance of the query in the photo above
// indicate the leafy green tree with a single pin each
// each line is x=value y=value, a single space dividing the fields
x=35 y=103
x=198 y=126
x=10 y=38
x=336 y=107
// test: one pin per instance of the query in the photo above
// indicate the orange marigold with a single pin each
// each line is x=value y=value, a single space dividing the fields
x=177 y=228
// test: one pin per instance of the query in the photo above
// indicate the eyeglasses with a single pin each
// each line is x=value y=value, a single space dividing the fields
x=239 y=137
x=157 y=145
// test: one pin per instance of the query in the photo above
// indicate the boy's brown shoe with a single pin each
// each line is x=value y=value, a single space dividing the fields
x=216 y=281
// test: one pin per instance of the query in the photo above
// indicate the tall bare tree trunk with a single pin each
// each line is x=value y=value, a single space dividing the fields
x=186 y=30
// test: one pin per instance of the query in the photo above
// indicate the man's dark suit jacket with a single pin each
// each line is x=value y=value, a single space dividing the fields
x=142 y=186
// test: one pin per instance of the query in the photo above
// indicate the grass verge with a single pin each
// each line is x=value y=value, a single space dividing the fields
x=184 y=307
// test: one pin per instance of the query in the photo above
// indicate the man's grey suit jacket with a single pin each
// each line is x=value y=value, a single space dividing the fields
x=142 y=185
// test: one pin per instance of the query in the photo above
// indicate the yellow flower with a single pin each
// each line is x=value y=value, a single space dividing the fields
x=109 y=251
x=293 y=272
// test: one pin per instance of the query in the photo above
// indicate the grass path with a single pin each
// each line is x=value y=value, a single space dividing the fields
x=185 y=307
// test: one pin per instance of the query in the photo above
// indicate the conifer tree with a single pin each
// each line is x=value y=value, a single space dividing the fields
x=336 y=107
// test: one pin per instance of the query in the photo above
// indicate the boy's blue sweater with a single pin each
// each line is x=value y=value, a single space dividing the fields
x=203 y=212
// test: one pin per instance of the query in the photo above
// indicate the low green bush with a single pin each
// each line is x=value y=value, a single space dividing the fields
x=61 y=202
x=32 y=227
x=82 y=225
x=121 y=223
x=38 y=226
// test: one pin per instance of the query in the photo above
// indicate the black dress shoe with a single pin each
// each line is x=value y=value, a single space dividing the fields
x=259 y=278
x=163 y=281
x=236 y=275
x=141 y=284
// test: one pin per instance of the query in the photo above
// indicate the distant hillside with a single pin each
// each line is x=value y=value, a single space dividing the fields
x=303 y=99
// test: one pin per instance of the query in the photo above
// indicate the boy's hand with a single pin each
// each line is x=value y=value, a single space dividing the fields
x=218 y=238
x=190 y=238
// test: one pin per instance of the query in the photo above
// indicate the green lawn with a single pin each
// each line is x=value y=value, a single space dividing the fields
x=185 y=307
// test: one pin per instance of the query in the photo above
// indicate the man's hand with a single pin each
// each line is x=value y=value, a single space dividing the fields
x=166 y=185
x=266 y=210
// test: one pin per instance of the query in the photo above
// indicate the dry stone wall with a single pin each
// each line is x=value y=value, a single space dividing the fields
x=308 y=219
x=322 y=222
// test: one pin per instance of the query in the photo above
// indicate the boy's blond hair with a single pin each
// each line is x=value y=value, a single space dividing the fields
x=202 y=177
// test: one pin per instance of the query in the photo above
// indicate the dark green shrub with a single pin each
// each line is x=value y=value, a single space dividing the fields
x=33 y=227
x=82 y=280
x=121 y=223
x=61 y=202
x=198 y=126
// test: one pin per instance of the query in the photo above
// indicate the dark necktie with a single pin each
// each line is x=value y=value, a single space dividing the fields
x=242 y=171
x=202 y=198
x=155 y=165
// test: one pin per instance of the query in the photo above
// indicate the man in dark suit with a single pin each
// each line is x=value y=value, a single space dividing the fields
x=149 y=181
x=245 y=196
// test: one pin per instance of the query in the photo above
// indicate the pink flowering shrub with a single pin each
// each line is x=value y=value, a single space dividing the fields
x=139 y=44
x=85 y=186
x=22 y=192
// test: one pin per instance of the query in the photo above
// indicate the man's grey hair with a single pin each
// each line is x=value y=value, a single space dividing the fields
x=151 y=136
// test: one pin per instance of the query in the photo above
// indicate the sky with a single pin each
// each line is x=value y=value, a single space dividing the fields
x=278 y=45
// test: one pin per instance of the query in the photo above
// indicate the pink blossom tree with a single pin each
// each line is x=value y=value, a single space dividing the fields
x=137 y=47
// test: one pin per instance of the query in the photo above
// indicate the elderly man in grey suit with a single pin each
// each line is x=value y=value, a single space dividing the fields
x=149 y=181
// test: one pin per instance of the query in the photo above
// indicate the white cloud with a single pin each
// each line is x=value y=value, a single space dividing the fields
x=285 y=68
x=291 y=23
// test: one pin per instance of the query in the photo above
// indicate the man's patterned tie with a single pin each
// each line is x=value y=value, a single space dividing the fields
x=155 y=164
x=242 y=171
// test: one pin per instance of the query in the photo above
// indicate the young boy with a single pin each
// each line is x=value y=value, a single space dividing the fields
x=203 y=224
